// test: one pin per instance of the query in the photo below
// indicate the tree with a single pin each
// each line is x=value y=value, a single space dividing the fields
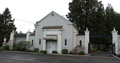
x=6 y=25
x=110 y=15
x=112 y=19
x=86 y=13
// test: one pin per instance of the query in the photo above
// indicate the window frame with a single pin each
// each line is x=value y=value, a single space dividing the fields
x=39 y=41
x=32 y=42
x=65 y=43
x=80 y=42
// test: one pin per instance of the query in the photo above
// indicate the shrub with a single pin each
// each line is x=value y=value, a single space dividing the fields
x=41 y=51
x=36 y=50
x=1 y=49
x=104 y=48
x=82 y=52
x=54 y=52
x=64 y=51
x=15 y=49
x=22 y=49
x=98 y=47
x=6 y=47
x=44 y=51
x=23 y=45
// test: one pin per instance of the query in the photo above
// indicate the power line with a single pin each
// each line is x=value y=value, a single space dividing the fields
x=23 y=20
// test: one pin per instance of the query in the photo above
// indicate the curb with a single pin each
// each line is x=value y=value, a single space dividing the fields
x=116 y=57
x=68 y=55
x=47 y=54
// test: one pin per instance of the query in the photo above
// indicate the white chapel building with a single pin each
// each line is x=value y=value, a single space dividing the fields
x=54 y=32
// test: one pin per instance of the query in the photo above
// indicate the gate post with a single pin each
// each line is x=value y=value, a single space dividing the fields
x=115 y=40
x=86 y=41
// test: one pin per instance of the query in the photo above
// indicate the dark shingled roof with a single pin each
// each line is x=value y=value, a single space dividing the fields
x=32 y=34
x=52 y=27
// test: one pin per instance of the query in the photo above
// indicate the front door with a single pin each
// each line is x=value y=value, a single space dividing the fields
x=51 y=46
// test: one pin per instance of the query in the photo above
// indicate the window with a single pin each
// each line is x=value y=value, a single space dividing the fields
x=32 y=42
x=65 y=42
x=52 y=14
x=80 y=43
x=39 y=41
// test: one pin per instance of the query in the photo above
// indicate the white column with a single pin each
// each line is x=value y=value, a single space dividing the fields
x=59 y=42
x=115 y=39
x=28 y=36
x=4 y=41
x=10 y=43
x=12 y=38
x=44 y=41
x=86 y=40
x=74 y=38
x=12 y=35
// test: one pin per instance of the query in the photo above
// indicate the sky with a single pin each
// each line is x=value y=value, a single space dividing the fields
x=27 y=12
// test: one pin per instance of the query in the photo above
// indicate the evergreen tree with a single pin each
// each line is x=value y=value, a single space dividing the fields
x=86 y=13
x=6 y=25
x=110 y=15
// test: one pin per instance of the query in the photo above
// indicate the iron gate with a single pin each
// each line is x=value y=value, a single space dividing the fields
x=88 y=47
x=113 y=48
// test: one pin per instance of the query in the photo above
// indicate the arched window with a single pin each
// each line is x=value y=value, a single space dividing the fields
x=65 y=42
x=39 y=41
x=80 y=43
x=32 y=42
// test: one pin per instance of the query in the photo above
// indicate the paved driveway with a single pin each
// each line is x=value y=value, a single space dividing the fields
x=102 y=54
x=14 y=57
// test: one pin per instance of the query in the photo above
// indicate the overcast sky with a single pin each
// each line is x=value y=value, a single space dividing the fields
x=27 y=12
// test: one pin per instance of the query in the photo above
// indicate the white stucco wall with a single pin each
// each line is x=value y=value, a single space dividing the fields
x=18 y=39
x=82 y=38
x=32 y=46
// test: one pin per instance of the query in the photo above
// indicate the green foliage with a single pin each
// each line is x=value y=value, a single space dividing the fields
x=15 y=49
x=98 y=47
x=6 y=47
x=36 y=49
x=91 y=14
x=23 y=45
x=104 y=48
x=82 y=53
x=23 y=49
x=5 y=26
x=64 y=51
x=92 y=50
x=87 y=13
x=2 y=49
x=43 y=51
x=54 y=52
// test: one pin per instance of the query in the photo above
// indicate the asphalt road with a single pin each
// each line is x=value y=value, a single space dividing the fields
x=15 y=57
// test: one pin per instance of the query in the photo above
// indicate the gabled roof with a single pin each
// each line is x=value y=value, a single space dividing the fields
x=32 y=34
x=70 y=23
x=57 y=15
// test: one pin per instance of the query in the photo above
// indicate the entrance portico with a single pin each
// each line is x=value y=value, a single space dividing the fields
x=52 y=38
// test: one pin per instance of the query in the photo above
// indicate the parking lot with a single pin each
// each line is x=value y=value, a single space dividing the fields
x=17 y=57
